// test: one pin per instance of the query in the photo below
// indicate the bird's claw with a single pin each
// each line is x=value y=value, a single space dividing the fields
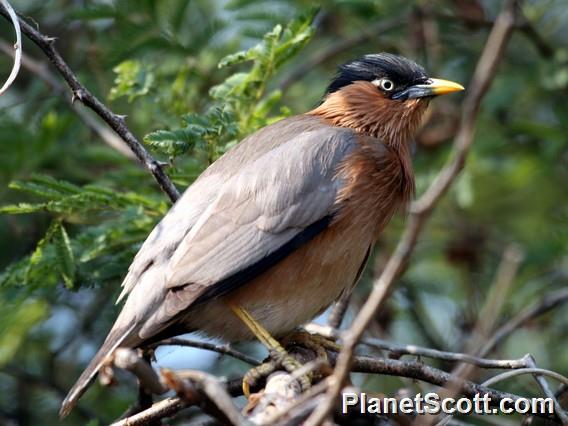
x=279 y=359
x=252 y=376
x=315 y=342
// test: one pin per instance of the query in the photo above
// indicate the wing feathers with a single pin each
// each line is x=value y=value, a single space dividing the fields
x=271 y=194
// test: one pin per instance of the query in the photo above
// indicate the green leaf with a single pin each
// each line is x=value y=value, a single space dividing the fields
x=66 y=259
x=38 y=254
x=170 y=142
x=133 y=80
x=66 y=198
x=242 y=93
x=208 y=132
x=46 y=187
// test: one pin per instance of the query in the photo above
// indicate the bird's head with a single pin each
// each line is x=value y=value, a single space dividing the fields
x=382 y=94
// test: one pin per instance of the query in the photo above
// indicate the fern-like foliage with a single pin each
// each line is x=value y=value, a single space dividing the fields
x=118 y=222
x=242 y=103
x=65 y=198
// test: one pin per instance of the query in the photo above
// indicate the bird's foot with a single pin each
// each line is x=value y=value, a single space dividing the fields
x=280 y=358
x=314 y=342
x=254 y=375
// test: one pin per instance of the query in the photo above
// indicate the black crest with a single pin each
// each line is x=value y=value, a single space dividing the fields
x=403 y=72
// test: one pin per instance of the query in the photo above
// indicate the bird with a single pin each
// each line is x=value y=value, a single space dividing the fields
x=281 y=225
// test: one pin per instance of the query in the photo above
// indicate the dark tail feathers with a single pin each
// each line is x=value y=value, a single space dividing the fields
x=113 y=341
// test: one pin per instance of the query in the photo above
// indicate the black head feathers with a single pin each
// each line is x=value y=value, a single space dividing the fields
x=401 y=71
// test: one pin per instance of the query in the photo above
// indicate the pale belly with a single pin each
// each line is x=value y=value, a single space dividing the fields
x=291 y=293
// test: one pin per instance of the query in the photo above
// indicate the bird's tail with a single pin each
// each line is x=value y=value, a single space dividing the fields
x=113 y=341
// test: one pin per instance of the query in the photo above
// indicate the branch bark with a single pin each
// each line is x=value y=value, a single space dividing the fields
x=82 y=94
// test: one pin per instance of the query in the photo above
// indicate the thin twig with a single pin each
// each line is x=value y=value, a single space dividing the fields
x=212 y=389
x=482 y=78
x=221 y=349
x=521 y=371
x=398 y=349
x=504 y=278
x=539 y=378
x=17 y=46
x=159 y=410
x=522 y=25
x=547 y=303
x=494 y=301
x=82 y=94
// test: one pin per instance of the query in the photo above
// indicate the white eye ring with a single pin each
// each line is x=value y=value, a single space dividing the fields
x=384 y=84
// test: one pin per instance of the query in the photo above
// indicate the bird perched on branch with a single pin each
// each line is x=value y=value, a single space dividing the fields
x=281 y=225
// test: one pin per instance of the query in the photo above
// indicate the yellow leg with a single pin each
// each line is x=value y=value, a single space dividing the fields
x=274 y=347
x=258 y=330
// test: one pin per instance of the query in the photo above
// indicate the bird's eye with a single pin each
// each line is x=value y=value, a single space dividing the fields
x=386 y=84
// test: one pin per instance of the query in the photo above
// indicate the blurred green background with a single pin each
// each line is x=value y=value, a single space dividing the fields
x=75 y=210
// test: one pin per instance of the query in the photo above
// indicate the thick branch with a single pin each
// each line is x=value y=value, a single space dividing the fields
x=128 y=359
x=363 y=364
x=81 y=93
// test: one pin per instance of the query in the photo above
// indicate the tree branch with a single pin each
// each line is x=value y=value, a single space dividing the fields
x=81 y=93
x=161 y=409
x=482 y=78
x=547 y=303
x=361 y=364
x=396 y=350
x=221 y=349
x=521 y=371
x=339 y=310
x=197 y=386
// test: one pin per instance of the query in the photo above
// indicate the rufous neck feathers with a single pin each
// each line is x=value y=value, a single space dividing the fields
x=363 y=108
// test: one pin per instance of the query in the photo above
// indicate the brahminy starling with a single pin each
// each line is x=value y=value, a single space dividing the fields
x=281 y=225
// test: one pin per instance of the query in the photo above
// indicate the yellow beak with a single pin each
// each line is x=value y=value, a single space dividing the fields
x=433 y=87
x=442 y=87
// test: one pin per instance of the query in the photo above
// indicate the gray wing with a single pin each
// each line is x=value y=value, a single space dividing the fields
x=261 y=208
x=275 y=190
x=167 y=235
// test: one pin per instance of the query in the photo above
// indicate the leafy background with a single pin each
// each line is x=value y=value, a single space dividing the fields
x=74 y=211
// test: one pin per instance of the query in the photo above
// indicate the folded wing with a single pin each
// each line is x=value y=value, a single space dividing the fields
x=263 y=210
